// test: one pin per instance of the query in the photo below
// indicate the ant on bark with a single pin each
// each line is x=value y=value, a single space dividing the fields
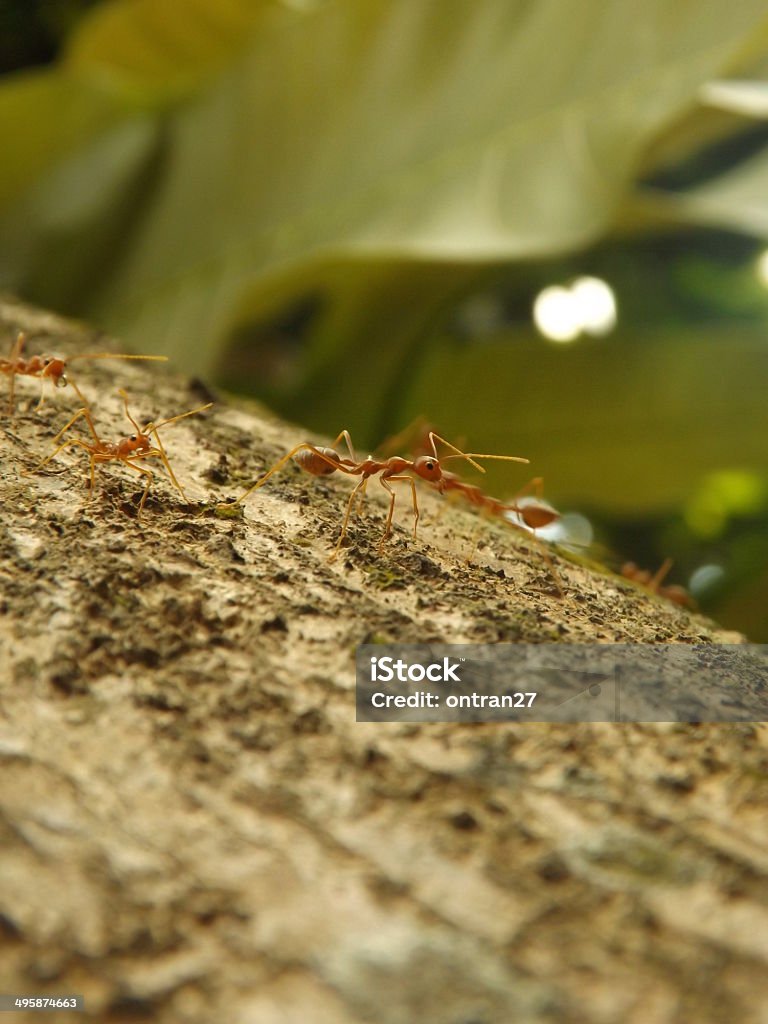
x=52 y=368
x=129 y=450
x=528 y=514
x=653 y=581
x=319 y=460
x=534 y=513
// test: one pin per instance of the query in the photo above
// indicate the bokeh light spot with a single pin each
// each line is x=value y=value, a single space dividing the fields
x=587 y=306
x=596 y=305
x=555 y=313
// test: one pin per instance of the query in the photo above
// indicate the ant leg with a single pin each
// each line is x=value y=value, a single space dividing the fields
x=85 y=413
x=536 y=485
x=17 y=347
x=14 y=356
x=344 y=435
x=362 y=496
x=658 y=578
x=160 y=450
x=388 y=527
x=41 y=400
x=304 y=446
x=144 y=472
x=92 y=482
x=409 y=480
x=531 y=533
x=80 y=395
x=152 y=428
x=74 y=442
x=472 y=545
x=360 y=485
x=276 y=468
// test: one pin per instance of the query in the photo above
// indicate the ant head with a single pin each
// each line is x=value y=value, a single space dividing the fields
x=54 y=368
x=428 y=468
x=135 y=444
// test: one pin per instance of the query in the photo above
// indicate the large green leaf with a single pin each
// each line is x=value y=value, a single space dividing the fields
x=748 y=98
x=44 y=117
x=628 y=424
x=736 y=199
x=405 y=129
x=155 y=52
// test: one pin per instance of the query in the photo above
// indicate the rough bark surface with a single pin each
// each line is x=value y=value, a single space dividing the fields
x=193 y=828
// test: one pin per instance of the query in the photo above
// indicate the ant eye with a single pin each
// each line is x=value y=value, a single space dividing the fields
x=132 y=437
x=430 y=465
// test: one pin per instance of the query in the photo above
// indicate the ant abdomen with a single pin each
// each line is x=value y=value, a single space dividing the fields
x=317 y=462
x=536 y=517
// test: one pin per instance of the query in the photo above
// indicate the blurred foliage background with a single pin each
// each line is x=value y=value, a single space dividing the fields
x=540 y=225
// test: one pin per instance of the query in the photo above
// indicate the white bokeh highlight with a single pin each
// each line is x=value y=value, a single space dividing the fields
x=588 y=306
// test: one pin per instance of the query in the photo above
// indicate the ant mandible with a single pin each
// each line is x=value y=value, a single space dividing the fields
x=129 y=450
x=319 y=460
x=52 y=368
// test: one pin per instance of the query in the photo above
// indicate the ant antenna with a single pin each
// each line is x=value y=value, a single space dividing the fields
x=151 y=427
x=459 y=453
x=115 y=355
x=471 y=456
x=124 y=396
x=478 y=455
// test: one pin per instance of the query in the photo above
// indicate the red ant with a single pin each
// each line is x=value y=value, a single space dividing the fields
x=51 y=368
x=535 y=514
x=532 y=513
x=672 y=591
x=323 y=461
x=129 y=450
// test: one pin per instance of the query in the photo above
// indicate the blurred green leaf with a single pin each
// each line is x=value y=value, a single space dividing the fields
x=722 y=495
x=157 y=51
x=627 y=425
x=95 y=223
x=405 y=130
x=747 y=98
x=45 y=116
x=737 y=200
